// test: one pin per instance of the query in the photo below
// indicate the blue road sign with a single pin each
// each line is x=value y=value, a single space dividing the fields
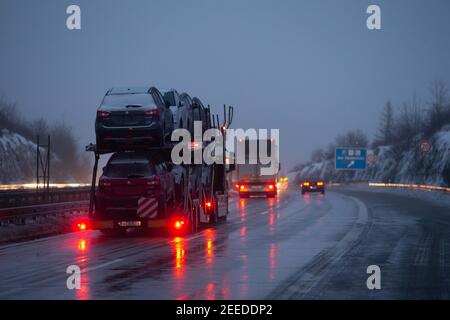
x=351 y=158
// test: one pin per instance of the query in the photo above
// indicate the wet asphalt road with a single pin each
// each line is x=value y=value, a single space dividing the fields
x=292 y=247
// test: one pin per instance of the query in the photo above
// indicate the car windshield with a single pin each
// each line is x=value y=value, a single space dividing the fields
x=120 y=100
x=128 y=170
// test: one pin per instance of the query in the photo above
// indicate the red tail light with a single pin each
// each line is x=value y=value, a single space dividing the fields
x=103 y=114
x=271 y=186
x=82 y=226
x=208 y=206
x=237 y=186
x=152 y=113
x=179 y=224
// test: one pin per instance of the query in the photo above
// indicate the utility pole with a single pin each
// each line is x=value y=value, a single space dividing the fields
x=43 y=167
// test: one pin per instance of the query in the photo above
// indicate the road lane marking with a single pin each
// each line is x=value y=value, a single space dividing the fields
x=101 y=265
x=301 y=284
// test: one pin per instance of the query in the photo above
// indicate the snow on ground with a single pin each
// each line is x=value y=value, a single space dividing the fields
x=393 y=164
x=440 y=198
x=17 y=158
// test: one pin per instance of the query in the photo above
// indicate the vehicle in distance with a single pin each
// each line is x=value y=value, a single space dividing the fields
x=312 y=185
x=134 y=186
x=133 y=116
x=249 y=180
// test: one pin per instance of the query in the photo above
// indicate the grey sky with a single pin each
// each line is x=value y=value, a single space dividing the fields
x=310 y=68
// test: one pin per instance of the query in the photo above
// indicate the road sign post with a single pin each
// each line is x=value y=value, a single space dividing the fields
x=349 y=158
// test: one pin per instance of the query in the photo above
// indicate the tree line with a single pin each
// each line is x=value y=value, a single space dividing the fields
x=398 y=125
x=70 y=162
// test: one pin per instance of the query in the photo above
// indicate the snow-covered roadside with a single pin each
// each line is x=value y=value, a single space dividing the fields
x=440 y=198
x=391 y=164
x=39 y=228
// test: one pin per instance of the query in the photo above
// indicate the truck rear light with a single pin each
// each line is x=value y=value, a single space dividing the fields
x=179 y=224
x=271 y=186
x=152 y=113
x=237 y=186
x=208 y=206
x=103 y=114
x=82 y=226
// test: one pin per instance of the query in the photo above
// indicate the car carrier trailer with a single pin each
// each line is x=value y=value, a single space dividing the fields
x=204 y=193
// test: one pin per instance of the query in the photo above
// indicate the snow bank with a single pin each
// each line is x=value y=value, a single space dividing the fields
x=394 y=165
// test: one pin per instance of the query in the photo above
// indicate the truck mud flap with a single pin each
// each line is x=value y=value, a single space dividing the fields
x=222 y=202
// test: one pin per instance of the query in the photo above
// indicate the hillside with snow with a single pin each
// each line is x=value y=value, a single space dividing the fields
x=17 y=158
x=392 y=164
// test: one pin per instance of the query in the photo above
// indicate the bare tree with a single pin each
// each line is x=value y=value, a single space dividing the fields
x=437 y=110
x=352 y=139
x=317 y=155
x=385 y=130
x=40 y=127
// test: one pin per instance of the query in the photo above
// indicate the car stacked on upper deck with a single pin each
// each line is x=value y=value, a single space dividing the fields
x=133 y=117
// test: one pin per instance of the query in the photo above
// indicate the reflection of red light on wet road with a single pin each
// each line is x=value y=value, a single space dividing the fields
x=210 y=291
x=242 y=210
x=179 y=250
x=272 y=260
x=82 y=245
x=210 y=237
x=243 y=232
x=307 y=199
x=82 y=261
x=83 y=292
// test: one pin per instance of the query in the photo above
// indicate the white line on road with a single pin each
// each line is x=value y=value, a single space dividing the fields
x=101 y=265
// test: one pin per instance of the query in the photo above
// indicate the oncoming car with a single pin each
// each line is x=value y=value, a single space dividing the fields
x=312 y=185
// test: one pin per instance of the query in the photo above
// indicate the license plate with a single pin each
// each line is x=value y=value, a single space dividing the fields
x=129 y=223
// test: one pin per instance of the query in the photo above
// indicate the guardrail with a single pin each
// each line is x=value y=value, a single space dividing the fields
x=409 y=186
x=19 y=215
x=20 y=198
